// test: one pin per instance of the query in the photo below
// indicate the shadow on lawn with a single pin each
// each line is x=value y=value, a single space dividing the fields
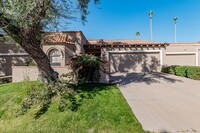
x=154 y=77
x=72 y=101
x=90 y=90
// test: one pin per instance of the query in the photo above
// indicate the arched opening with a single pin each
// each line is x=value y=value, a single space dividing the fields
x=55 y=57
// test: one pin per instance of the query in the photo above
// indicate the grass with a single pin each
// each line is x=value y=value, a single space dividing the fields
x=105 y=112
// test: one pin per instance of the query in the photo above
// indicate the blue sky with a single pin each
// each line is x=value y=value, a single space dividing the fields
x=121 y=19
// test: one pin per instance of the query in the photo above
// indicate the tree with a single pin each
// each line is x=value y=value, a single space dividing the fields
x=151 y=30
x=24 y=21
x=137 y=34
x=87 y=68
x=175 y=20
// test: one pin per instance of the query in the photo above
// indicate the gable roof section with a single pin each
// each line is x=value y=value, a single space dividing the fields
x=64 y=37
x=58 y=38
x=123 y=43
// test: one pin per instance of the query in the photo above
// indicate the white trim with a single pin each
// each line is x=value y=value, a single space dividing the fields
x=197 y=59
x=13 y=54
x=168 y=53
x=186 y=53
x=161 y=59
x=136 y=51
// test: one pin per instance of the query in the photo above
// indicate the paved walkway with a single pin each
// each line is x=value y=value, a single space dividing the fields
x=162 y=102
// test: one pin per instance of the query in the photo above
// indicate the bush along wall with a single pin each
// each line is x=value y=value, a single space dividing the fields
x=169 y=69
x=87 y=68
x=192 y=72
x=181 y=71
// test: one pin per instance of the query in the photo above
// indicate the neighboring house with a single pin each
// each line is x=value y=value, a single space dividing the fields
x=125 y=56
x=11 y=55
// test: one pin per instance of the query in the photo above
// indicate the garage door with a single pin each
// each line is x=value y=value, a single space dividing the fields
x=134 y=62
x=180 y=59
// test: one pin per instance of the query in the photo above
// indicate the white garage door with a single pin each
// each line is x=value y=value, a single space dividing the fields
x=134 y=62
x=180 y=59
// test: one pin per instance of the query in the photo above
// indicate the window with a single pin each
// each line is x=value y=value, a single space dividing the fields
x=55 y=57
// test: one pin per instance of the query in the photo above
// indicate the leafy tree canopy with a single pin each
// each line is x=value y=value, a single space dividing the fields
x=22 y=13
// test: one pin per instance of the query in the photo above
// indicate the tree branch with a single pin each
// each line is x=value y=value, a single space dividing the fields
x=9 y=28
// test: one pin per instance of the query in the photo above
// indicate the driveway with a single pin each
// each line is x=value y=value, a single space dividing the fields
x=162 y=102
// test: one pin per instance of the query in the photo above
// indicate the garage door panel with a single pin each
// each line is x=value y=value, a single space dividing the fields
x=181 y=59
x=134 y=62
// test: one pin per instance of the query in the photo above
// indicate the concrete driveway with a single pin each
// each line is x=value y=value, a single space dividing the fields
x=162 y=102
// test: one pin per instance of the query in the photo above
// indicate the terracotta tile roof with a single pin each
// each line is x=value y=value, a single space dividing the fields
x=122 y=43
x=57 y=38
x=72 y=33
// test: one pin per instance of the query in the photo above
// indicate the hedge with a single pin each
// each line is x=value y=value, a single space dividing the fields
x=169 y=69
x=192 y=72
x=181 y=71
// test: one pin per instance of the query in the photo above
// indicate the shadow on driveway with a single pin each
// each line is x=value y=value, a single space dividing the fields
x=154 y=77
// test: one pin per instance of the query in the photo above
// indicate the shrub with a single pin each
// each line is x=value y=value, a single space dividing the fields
x=87 y=68
x=164 y=69
x=181 y=70
x=42 y=94
x=169 y=69
x=193 y=72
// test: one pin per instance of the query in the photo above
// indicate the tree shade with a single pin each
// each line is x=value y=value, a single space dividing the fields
x=24 y=20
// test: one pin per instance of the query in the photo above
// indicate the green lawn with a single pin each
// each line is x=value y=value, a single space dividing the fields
x=105 y=112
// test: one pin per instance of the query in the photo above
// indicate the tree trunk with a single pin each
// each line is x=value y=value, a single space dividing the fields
x=31 y=44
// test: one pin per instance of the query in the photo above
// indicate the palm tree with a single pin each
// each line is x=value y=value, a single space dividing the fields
x=150 y=15
x=137 y=35
x=175 y=20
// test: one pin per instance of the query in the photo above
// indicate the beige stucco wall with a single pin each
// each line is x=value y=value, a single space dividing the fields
x=82 y=40
x=10 y=55
x=174 y=54
x=79 y=39
x=69 y=53
x=6 y=63
x=104 y=51
x=182 y=54
x=21 y=73
x=186 y=53
x=68 y=50
x=6 y=47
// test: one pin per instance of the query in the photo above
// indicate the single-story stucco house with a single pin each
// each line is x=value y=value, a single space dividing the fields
x=124 y=56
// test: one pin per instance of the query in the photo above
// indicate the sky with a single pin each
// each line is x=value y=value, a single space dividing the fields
x=121 y=19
